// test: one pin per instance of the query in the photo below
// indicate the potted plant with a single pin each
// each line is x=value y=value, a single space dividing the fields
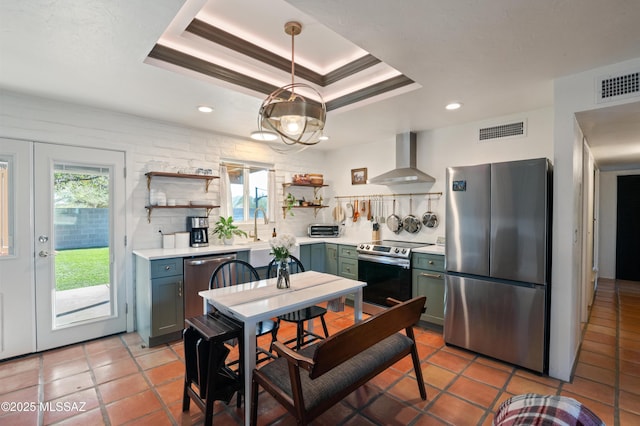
x=289 y=202
x=225 y=230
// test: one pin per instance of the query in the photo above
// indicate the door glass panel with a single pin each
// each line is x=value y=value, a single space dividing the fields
x=82 y=278
x=6 y=207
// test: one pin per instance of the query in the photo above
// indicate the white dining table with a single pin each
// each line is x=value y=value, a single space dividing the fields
x=260 y=300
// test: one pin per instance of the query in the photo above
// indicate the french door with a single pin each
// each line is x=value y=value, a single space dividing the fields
x=72 y=266
x=17 y=289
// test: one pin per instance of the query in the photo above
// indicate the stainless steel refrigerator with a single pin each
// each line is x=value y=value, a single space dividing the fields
x=498 y=260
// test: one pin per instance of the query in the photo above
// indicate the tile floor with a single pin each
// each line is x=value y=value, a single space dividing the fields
x=115 y=381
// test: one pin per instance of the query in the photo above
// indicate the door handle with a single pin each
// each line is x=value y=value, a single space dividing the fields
x=43 y=253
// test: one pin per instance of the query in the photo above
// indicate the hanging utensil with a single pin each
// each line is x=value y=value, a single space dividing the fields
x=430 y=219
x=411 y=223
x=382 y=218
x=338 y=213
x=356 y=213
x=394 y=223
x=349 y=210
x=369 y=214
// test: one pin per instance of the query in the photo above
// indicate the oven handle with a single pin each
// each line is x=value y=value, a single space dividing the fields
x=403 y=263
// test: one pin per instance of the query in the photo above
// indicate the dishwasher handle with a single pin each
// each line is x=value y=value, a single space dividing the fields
x=204 y=261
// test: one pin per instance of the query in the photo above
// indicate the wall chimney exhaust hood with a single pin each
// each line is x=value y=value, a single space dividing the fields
x=405 y=171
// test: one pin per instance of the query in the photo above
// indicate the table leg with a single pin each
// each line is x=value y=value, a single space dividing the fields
x=357 y=305
x=249 y=365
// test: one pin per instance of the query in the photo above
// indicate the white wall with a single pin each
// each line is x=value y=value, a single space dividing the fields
x=436 y=150
x=572 y=94
x=607 y=222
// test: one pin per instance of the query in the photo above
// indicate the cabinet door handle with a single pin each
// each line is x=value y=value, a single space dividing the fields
x=167 y=267
x=431 y=262
x=180 y=289
x=424 y=274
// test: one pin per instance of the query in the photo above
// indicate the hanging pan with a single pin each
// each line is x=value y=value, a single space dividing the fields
x=430 y=219
x=410 y=223
x=394 y=223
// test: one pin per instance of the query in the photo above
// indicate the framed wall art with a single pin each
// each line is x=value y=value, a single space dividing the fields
x=359 y=176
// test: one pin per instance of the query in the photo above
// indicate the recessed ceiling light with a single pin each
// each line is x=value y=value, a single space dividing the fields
x=263 y=136
x=453 y=105
x=205 y=108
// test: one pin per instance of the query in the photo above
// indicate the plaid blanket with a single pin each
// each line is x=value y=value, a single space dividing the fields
x=547 y=410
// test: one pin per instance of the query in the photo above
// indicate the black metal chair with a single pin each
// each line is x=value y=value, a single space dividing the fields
x=236 y=271
x=300 y=316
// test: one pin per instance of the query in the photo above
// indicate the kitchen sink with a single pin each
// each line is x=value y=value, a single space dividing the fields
x=260 y=253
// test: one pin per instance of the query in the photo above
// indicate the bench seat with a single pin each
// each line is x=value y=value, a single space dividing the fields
x=340 y=378
x=310 y=381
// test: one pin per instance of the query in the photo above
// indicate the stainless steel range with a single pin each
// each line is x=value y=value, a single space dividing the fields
x=386 y=268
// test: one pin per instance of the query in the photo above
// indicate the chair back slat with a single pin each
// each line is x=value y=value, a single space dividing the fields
x=233 y=272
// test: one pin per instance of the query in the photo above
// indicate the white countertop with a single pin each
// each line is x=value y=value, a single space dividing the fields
x=246 y=245
x=434 y=249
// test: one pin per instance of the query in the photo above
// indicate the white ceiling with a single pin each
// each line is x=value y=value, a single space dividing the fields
x=497 y=57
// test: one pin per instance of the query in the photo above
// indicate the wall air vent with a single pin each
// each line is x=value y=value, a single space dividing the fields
x=611 y=88
x=502 y=131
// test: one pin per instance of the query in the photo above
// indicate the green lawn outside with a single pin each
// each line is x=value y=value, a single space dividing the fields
x=82 y=268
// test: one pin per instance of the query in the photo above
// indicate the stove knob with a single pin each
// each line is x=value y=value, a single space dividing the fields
x=361 y=246
x=397 y=250
x=368 y=247
x=404 y=251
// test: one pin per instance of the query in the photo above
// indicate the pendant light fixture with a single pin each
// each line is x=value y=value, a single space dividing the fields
x=297 y=119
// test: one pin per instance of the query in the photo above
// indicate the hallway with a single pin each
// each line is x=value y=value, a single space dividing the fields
x=115 y=381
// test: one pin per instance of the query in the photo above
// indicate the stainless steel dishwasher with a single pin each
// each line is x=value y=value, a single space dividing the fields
x=197 y=272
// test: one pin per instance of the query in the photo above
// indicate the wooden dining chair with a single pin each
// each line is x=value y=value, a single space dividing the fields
x=300 y=316
x=236 y=271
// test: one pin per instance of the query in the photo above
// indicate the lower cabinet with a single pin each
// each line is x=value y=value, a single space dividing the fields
x=318 y=257
x=159 y=300
x=331 y=258
x=348 y=261
x=312 y=257
x=428 y=280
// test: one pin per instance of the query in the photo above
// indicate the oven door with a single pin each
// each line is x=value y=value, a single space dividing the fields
x=383 y=280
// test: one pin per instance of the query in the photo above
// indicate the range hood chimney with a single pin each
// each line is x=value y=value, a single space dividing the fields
x=405 y=171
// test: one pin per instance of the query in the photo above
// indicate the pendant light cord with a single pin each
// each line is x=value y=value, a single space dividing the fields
x=293 y=63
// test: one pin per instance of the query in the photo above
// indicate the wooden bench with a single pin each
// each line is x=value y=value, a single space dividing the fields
x=340 y=364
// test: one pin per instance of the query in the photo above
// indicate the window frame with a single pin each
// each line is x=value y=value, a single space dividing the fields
x=247 y=168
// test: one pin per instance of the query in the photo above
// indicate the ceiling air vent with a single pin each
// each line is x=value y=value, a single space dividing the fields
x=612 y=88
x=502 y=131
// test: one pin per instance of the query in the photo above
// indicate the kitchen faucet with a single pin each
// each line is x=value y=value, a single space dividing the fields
x=255 y=222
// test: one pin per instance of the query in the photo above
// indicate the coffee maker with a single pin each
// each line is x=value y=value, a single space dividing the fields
x=198 y=228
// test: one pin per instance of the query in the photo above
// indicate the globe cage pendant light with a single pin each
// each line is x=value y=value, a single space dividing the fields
x=296 y=119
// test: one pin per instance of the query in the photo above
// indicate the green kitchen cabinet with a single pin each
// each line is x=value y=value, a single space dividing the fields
x=312 y=257
x=305 y=256
x=347 y=261
x=318 y=257
x=331 y=258
x=243 y=255
x=159 y=300
x=428 y=280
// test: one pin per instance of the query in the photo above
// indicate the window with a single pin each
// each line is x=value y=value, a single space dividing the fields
x=249 y=185
x=6 y=207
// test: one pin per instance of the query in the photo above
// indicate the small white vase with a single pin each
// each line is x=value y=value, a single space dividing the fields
x=227 y=241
